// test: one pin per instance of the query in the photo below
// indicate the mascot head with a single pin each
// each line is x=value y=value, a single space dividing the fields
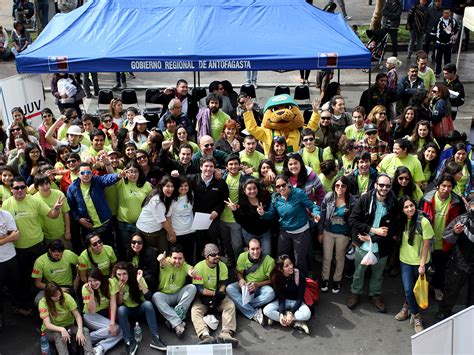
x=282 y=113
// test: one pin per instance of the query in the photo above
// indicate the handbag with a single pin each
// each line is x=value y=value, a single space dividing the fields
x=442 y=128
x=421 y=292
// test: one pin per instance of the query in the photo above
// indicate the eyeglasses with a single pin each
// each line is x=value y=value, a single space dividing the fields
x=15 y=129
x=383 y=113
x=209 y=145
x=308 y=139
x=340 y=186
x=18 y=188
x=242 y=103
x=384 y=186
x=86 y=172
x=97 y=243
x=72 y=161
x=107 y=121
x=403 y=178
x=325 y=118
x=142 y=157
x=139 y=242
x=214 y=255
x=282 y=186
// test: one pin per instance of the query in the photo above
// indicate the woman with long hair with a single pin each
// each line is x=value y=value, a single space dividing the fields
x=439 y=106
x=129 y=152
x=267 y=174
x=17 y=130
x=48 y=120
x=334 y=231
x=116 y=111
x=143 y=257
x=33 y=158
x=464 y=182
x=61 y=320
x=61 y=159
x=152 y=173
x=134 y=302
x=6 y=173
x=403 y=184
x=329 y=172
x=131 y=191
x=153 y=145
x=97 y=255
x=100 y=311
x=139 y=133
x=152 y=222
x=181 y=217
x=229 y=141
x=277 y=153
x=414 y=239
x=421 y=136
x=379 y=117
x=289 y=284
x=405 y=123
x=429 y=157
x=181 y=137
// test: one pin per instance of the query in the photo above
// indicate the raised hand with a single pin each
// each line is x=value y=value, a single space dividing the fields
x=230 y=204
x=260 y=209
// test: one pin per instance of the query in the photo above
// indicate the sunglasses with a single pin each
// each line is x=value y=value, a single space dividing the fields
x=18 y=188
x=325 y=118
x=86 y=172
x=214 y=255
x=242 y=103
x=384 y=186
x=142 y=157
x=72 y=161
x=97 y=243
x=340 y=186
x=107 y=121
x=308 y=139
x=282 y=186
x=139 y=242
x=382 y=113
x=15 y=129
x=209 y=145
x=372 y=133
x=404 y=178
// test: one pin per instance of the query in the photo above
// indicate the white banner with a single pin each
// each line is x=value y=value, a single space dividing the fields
x=468 y=19
x=25 y=91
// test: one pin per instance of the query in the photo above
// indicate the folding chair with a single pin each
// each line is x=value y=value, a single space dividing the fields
x=104 y=98
x=302 y=93
x=281 y=89
x=153 y=118
x=199 y=93
x=249 y=90
x=149 y=93
x=307 y=115
x=129 y=97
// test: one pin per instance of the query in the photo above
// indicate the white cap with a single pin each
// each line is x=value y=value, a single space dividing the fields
x=75 y=130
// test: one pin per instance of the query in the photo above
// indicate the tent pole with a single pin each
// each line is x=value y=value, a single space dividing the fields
x=370 y=79
x=339 y=76
x=459 y=47
x=199 y=78
x=194 y=79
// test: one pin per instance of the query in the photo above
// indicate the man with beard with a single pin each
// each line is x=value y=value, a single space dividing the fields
x=211 y=119
x=210 y=281
x=182 y=166
x=206 y=143
x=253 y=271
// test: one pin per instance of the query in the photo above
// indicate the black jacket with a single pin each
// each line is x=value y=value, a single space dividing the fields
x=354 y=186
x=457 y=86
x=163 y=99
x=462 y=255
x=363 y=215
x=209 y=198
x=168 y=164
x=149 y=264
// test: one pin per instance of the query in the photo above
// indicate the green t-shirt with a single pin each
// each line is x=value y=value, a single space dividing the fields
x=411 y=254
x=233 y=183
x=130 y=199
x=217 y=124
x=363 y=182
x=104 y=300
x=312 y=159
x=5 y=193
x=127 y=300
x=57 y=271
x=207 y=276
x=327 y=154
x=428 y=77
x=63 y=317
x=327 y=183
x=439 y=223
x=279 y=168
x=427 y=172
x=91 y=211
x=91 y=152
x=416 y=195
x=391 y=162
x=352 y=132
x=347 y=165
x=252 y=160
x=62 y=131
x=263 y=271
x=53 y=228
x=27 y=214
x=104 y=260
x=461 y=185
x=172 y=279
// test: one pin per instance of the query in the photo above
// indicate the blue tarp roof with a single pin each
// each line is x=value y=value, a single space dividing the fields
x=194 y=35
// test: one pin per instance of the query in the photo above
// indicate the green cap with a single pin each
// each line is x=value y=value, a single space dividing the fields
x=283 y=99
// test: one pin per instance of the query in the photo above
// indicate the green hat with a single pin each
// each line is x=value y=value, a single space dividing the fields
x=283 y=99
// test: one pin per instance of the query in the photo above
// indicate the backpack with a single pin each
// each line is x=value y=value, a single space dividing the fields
x=311 y=292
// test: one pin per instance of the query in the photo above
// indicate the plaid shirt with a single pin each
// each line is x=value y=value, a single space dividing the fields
x=380 y=147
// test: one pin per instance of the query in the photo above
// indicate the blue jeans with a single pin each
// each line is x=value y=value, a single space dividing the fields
x=271 y=310
x=250 y=77
x=146 y=308
x=409 y=277
x=265 y=240
x=262 y=296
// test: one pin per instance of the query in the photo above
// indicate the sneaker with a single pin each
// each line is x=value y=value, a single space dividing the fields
x=353 y=300
x=438 y=294
x=336 y=287
x=415 y=321
x=302 y=326
x=377 y=301
x=180 y=312
x=180 y=328
x=226 y=337
x=131 y=346
x=324 y=286
x=98 y=350
x=403 y=314
x=258 y=317
x=157 y=343
x=207 y=339
x=347 y=18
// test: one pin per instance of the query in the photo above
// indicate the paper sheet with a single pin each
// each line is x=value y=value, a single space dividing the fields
x=246 y=296
x=201 y=221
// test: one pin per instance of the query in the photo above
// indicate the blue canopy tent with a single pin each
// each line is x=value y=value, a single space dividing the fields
x=194 y=35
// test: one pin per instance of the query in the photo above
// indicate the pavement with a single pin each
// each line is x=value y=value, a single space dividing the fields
x=334 y=328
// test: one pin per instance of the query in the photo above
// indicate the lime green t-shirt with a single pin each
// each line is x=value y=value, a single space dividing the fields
x=91 y=211
x=57 y=271
x=233 y=183
x=461 y=185
x=207 y=276
x=439 y=223
x=63 y=317
x=312 y=159
x=168 y=135
x=352 y=132
x=172 y=279
x=252 y=160
x=53 y=228
x=62 y=131
x=391 y=162
x=427 y=172
x=5 y=193
x=327 y=183
x=263 y=271
x=411 y=254
x=327 y=154
x=279 y=168
x=91 y=152
x=27 y=214
x=347 y=165
x=428 y=77
x=363 y=182
x=104 y=301
x=104 y=260
x=217 y=124
x=130 y=199
x=127 y=300
x=416 y=195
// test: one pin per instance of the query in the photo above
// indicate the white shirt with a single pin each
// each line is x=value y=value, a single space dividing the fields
x=7 y=224
x=181 y=214
x=152 y=216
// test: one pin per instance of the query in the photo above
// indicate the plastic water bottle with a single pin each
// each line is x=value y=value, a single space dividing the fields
x=137 y=331
x=44 y=345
